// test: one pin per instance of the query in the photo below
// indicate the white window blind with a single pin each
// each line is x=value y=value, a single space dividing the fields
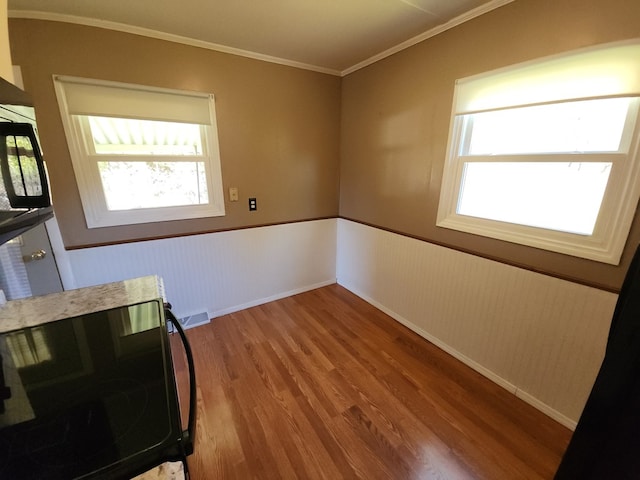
x=106 y=99
x=603 y=72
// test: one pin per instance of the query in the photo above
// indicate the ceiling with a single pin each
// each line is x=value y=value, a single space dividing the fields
x=333 y=36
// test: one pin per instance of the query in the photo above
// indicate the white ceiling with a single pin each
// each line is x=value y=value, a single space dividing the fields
x=334 y=36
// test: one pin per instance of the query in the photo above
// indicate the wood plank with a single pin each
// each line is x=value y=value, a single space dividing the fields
x=322 y=385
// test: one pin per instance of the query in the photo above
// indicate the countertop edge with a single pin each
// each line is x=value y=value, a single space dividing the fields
x=33 y=311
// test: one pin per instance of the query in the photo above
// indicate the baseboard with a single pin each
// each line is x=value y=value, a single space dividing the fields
x=531 y=400
x=546 y=409
x=278 y=296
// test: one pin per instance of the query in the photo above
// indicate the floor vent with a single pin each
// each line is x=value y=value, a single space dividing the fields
x=194 y=320
x=191 y=321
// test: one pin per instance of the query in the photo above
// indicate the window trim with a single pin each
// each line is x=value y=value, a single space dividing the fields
x=618 y=206
x=85 y=161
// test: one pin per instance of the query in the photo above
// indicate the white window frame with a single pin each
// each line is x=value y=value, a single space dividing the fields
x=564 y=76
x=80 y=97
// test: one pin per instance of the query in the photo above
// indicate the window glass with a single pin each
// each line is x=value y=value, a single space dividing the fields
x=584 y=126
x=135 y=185
x=125 y=136
x=558 y=196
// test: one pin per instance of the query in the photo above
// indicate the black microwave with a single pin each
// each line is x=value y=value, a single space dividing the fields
x=24 y=189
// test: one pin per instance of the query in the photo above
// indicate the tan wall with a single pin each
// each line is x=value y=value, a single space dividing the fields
x=396 y=114
x=278 y=126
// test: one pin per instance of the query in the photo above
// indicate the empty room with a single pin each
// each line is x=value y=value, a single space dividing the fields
x=397 y=238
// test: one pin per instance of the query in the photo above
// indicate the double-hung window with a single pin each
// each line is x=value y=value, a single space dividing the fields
x=141 y=154
x=545 y=154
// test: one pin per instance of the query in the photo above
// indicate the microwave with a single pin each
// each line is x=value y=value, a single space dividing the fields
x=24 y=189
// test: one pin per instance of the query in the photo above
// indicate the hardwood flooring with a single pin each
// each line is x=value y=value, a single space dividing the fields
x=323 y=385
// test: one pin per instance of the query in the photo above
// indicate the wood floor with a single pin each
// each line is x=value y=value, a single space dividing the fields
x=322 y=385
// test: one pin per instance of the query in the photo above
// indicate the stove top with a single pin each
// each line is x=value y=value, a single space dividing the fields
x=88 y=397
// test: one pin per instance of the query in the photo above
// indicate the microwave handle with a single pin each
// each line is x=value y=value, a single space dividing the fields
x=188 y=436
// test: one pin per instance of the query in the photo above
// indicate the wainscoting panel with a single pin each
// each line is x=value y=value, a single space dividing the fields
x=541 y=337
x=218 y=272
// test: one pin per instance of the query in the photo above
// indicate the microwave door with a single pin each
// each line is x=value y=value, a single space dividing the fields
x=22 y=167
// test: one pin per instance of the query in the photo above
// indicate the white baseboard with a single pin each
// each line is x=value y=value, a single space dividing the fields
x=546 y=409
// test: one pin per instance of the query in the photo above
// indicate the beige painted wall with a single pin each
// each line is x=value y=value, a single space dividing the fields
x=396 y=114
x=278 y=126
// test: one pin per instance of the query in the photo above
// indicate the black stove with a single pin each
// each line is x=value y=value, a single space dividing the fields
x=90 y=397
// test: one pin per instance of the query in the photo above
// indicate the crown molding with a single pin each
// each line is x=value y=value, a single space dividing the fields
x=146 y=32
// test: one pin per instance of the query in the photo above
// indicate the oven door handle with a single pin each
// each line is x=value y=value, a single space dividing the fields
x=188 y=436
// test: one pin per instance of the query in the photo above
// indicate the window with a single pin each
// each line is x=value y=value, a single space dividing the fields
x=546 y=153
x=141 y=154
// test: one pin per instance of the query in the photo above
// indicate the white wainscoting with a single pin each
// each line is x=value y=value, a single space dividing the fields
x=540 y=337
x=217 y=273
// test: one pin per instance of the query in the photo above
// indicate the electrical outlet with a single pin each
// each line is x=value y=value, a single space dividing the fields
x=233 y=194
x=253 y=204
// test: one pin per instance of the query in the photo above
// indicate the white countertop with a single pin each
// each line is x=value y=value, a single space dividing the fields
x=32 y=311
